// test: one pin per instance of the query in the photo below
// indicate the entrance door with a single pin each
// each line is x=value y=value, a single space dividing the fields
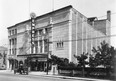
x=33 y=66
x=40 y=66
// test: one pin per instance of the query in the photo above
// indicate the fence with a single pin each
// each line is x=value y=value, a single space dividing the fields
x=105 y=73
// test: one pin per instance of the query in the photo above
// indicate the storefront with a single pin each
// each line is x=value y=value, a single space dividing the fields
x=36 y=62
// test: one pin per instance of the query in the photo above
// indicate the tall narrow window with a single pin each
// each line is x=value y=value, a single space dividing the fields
x=9 y=32
x=12 y=51
x=9 y=51
x=12 y=41
x=12 y=32
x=46 y=45
x=15 y=41
x=15 y=51
x=15 y=31
x=36 y=46
x=40 y=44
x=36 y=34
x=60 y=44
x=40 y=32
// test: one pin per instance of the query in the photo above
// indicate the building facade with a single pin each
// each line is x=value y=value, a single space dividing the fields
x=68 y=31
x=3 y=57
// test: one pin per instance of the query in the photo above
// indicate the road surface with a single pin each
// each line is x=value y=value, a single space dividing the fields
x=17 y=77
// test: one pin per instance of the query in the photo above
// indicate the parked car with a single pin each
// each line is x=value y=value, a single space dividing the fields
x=3 y=67
x=21 y=70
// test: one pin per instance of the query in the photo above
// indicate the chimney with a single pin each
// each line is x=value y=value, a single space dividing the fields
x=109 y=15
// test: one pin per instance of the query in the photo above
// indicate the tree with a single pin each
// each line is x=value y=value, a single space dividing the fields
x=57 y=60
x=1 y=55
x=104 y=55
x=92 y=61
x=82 y=61
x=4 y=58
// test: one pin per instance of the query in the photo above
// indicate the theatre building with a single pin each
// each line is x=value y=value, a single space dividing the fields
x=64 y=32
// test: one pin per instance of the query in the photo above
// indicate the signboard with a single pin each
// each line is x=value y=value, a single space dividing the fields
x=39 y=59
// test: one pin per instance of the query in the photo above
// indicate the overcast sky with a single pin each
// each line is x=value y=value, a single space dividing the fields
x=15 y=11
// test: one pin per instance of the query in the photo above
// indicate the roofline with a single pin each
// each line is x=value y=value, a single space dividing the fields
x=101 y=20
x=67 y=7
x=18 y=24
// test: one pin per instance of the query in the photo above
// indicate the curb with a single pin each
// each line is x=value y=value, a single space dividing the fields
x=74 y=78
x=58 y=76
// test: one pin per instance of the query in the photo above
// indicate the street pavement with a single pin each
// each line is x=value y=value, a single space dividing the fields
x=7 y=75
x=17 y=77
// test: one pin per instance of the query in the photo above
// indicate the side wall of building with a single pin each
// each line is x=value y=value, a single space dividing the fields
x=60 y=33
x=104 y=27
x=84 y=36
x=100 y=25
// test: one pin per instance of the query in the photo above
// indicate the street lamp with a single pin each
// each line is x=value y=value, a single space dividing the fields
x=48 y=53
x=46 y=36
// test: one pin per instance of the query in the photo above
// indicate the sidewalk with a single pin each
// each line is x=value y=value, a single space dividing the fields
x=44 y=74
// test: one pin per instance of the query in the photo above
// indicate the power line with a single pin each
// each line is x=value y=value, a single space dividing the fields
x=73 y=40
x=81 y=32
x=83 y=22
x=29 y=9
x=52 y=5
x=106 y=15
x=83 y=39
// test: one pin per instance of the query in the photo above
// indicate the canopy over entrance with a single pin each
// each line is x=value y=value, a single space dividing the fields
x=42 y=55
x=39 y=57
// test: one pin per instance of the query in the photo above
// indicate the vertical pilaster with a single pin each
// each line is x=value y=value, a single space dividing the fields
x=38 y=47
x=11 y=46
x=91 y=40
x=34 y=51
x=76 y=31
x=82 y=21
x=70 y=36
x=86 y=37
x=43 y=46
x=51 y=22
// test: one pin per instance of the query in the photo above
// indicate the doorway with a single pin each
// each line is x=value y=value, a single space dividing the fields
x=41 y=66
x=37 y=66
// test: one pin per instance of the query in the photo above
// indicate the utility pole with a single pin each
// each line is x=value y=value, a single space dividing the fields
x=52 y=5
x=48 y=53
x=83 y=66
x=48 y=42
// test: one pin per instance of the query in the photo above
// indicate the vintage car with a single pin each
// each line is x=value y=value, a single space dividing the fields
x=21 y=70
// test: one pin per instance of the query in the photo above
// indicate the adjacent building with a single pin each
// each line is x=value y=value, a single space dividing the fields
x=3 y=57
x=64 y=32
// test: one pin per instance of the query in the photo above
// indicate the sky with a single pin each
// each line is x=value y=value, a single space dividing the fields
x=15 y=11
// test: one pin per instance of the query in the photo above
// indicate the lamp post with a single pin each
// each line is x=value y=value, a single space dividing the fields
x=48 y=53
x=46 y=36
